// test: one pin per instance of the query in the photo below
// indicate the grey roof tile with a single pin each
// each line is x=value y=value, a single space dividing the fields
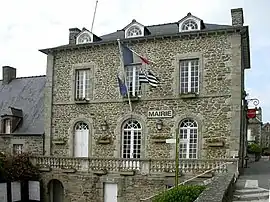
x=25 y=93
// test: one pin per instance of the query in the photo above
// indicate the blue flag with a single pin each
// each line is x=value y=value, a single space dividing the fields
x=122 y=87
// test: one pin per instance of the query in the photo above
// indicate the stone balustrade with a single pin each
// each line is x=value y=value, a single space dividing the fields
x=140 y=166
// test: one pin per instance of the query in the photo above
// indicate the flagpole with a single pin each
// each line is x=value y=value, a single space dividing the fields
x=122 y=64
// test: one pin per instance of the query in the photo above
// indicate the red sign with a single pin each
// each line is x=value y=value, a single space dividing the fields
x=251 y=113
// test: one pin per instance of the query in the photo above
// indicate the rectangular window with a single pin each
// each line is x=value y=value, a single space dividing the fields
x=82 y=84
x=189 y=76
x=7 y=126
x=17 y=148
x=132 y=80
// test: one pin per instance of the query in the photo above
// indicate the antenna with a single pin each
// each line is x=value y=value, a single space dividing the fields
x=94 y=16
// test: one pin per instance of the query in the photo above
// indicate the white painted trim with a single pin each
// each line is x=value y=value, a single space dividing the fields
x=83 y=32
x=141 y=27
x=196 y=20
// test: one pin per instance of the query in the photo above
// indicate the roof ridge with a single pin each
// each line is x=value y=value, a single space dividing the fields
x=28 y=77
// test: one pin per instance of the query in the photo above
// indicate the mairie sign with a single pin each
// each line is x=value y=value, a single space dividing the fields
x=160 y=114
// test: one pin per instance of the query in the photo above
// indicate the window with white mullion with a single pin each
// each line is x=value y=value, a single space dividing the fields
x=188 y=139
x=132 y=80
x=82 y=83
x=131 y=140
x=189 y=76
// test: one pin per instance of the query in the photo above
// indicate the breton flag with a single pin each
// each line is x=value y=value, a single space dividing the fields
x=145 y=76
x=148 y=77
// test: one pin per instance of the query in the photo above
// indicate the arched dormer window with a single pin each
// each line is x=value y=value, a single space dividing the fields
x=189 y=25
x=84 y=37
x=134 y=31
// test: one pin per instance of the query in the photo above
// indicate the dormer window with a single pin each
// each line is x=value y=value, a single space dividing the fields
x=84 y=37
x=189 y=25
x=7 y=126
x=134 y=31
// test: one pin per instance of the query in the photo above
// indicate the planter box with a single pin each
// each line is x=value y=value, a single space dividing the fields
x=127 y=173
x=216 y=144
x=59 y=142
x=100 y=172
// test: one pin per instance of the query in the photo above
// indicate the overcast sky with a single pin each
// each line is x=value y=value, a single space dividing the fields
x=29 y=25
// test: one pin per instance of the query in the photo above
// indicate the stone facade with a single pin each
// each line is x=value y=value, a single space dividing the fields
x=30 y=144
x=255 y=128
x=266 y=135
x=217 y=109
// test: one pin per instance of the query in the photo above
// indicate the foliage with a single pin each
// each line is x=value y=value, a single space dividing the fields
x=17 y=168
x=181 y=193
x=254 y=148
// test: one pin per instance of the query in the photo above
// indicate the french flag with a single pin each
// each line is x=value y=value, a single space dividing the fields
x=129 y=56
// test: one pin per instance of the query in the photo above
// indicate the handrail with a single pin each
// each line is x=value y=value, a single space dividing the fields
x=145 y=199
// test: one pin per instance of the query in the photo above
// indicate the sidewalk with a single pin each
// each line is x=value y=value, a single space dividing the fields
x=253 y=184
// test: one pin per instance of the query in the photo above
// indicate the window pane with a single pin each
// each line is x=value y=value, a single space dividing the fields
x=189 y=76
x=132 y=71
x=83 y=84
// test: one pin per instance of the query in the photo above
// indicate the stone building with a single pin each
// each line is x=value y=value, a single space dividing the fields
x=200 y=67
x=21 y=113
x=266 y=135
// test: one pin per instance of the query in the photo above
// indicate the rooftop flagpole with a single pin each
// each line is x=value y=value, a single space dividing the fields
x=94 y=16
x=123 y=66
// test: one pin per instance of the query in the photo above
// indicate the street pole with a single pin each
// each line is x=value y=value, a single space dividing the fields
x=176 y=158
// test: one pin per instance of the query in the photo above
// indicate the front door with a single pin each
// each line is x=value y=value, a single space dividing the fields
x=110 y=192
x=81 y=140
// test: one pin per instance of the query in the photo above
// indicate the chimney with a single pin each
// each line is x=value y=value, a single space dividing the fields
x=73 y=33
x=237 y=17
x=9 y=73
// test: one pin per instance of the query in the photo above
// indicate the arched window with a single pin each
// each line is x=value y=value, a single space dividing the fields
x=81 y=138
x=56 y=191
x=131 y=139
x=84 y=37
x=188 y=139
x=189 y=25
x=134 y=31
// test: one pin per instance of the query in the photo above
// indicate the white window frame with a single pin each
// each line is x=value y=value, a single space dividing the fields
x=128 y=128
x=133 y=77
x=78 y=85
x=189 y=82
x=17 y=149
x=90 y=35
x=186 y=140
x=192 y=18
x=137 y=25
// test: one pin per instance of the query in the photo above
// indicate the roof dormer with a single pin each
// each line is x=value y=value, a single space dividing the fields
x=85 y=36
x=11 y=120
x=190 y=23
x=135 y=29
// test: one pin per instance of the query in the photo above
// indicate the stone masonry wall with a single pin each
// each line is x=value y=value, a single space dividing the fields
x=32 y=144
x=216 y=109
x=82 y=187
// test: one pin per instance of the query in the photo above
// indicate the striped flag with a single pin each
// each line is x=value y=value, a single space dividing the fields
x=148 y=77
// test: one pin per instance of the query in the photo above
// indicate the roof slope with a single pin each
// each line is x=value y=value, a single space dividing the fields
x=162 y=29
x=27 y=94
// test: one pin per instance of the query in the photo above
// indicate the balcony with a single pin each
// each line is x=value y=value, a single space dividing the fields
x=131 y=166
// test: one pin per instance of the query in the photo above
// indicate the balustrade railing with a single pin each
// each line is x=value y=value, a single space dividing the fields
x=142 y=166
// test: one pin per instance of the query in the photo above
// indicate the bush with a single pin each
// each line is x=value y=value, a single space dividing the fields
x=181 y=193
x=17 y=168
x=254 y=148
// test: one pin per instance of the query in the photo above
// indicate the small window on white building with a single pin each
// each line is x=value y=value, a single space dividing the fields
x=17 y=149
x=134 y=31
x=7 y=126
x=189 y=76
x=189 y=25
x=82 y=84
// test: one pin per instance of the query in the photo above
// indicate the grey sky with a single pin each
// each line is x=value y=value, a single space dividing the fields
x=29 y=25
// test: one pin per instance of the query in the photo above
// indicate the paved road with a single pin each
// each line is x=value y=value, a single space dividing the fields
x=254 y=184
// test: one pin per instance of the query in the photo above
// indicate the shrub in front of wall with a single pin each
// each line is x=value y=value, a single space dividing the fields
x=181 y=193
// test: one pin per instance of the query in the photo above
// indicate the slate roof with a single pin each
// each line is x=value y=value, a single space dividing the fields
x=162 y=29
x=26 y=93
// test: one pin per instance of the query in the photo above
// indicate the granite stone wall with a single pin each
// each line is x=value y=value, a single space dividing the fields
x=217 y=108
